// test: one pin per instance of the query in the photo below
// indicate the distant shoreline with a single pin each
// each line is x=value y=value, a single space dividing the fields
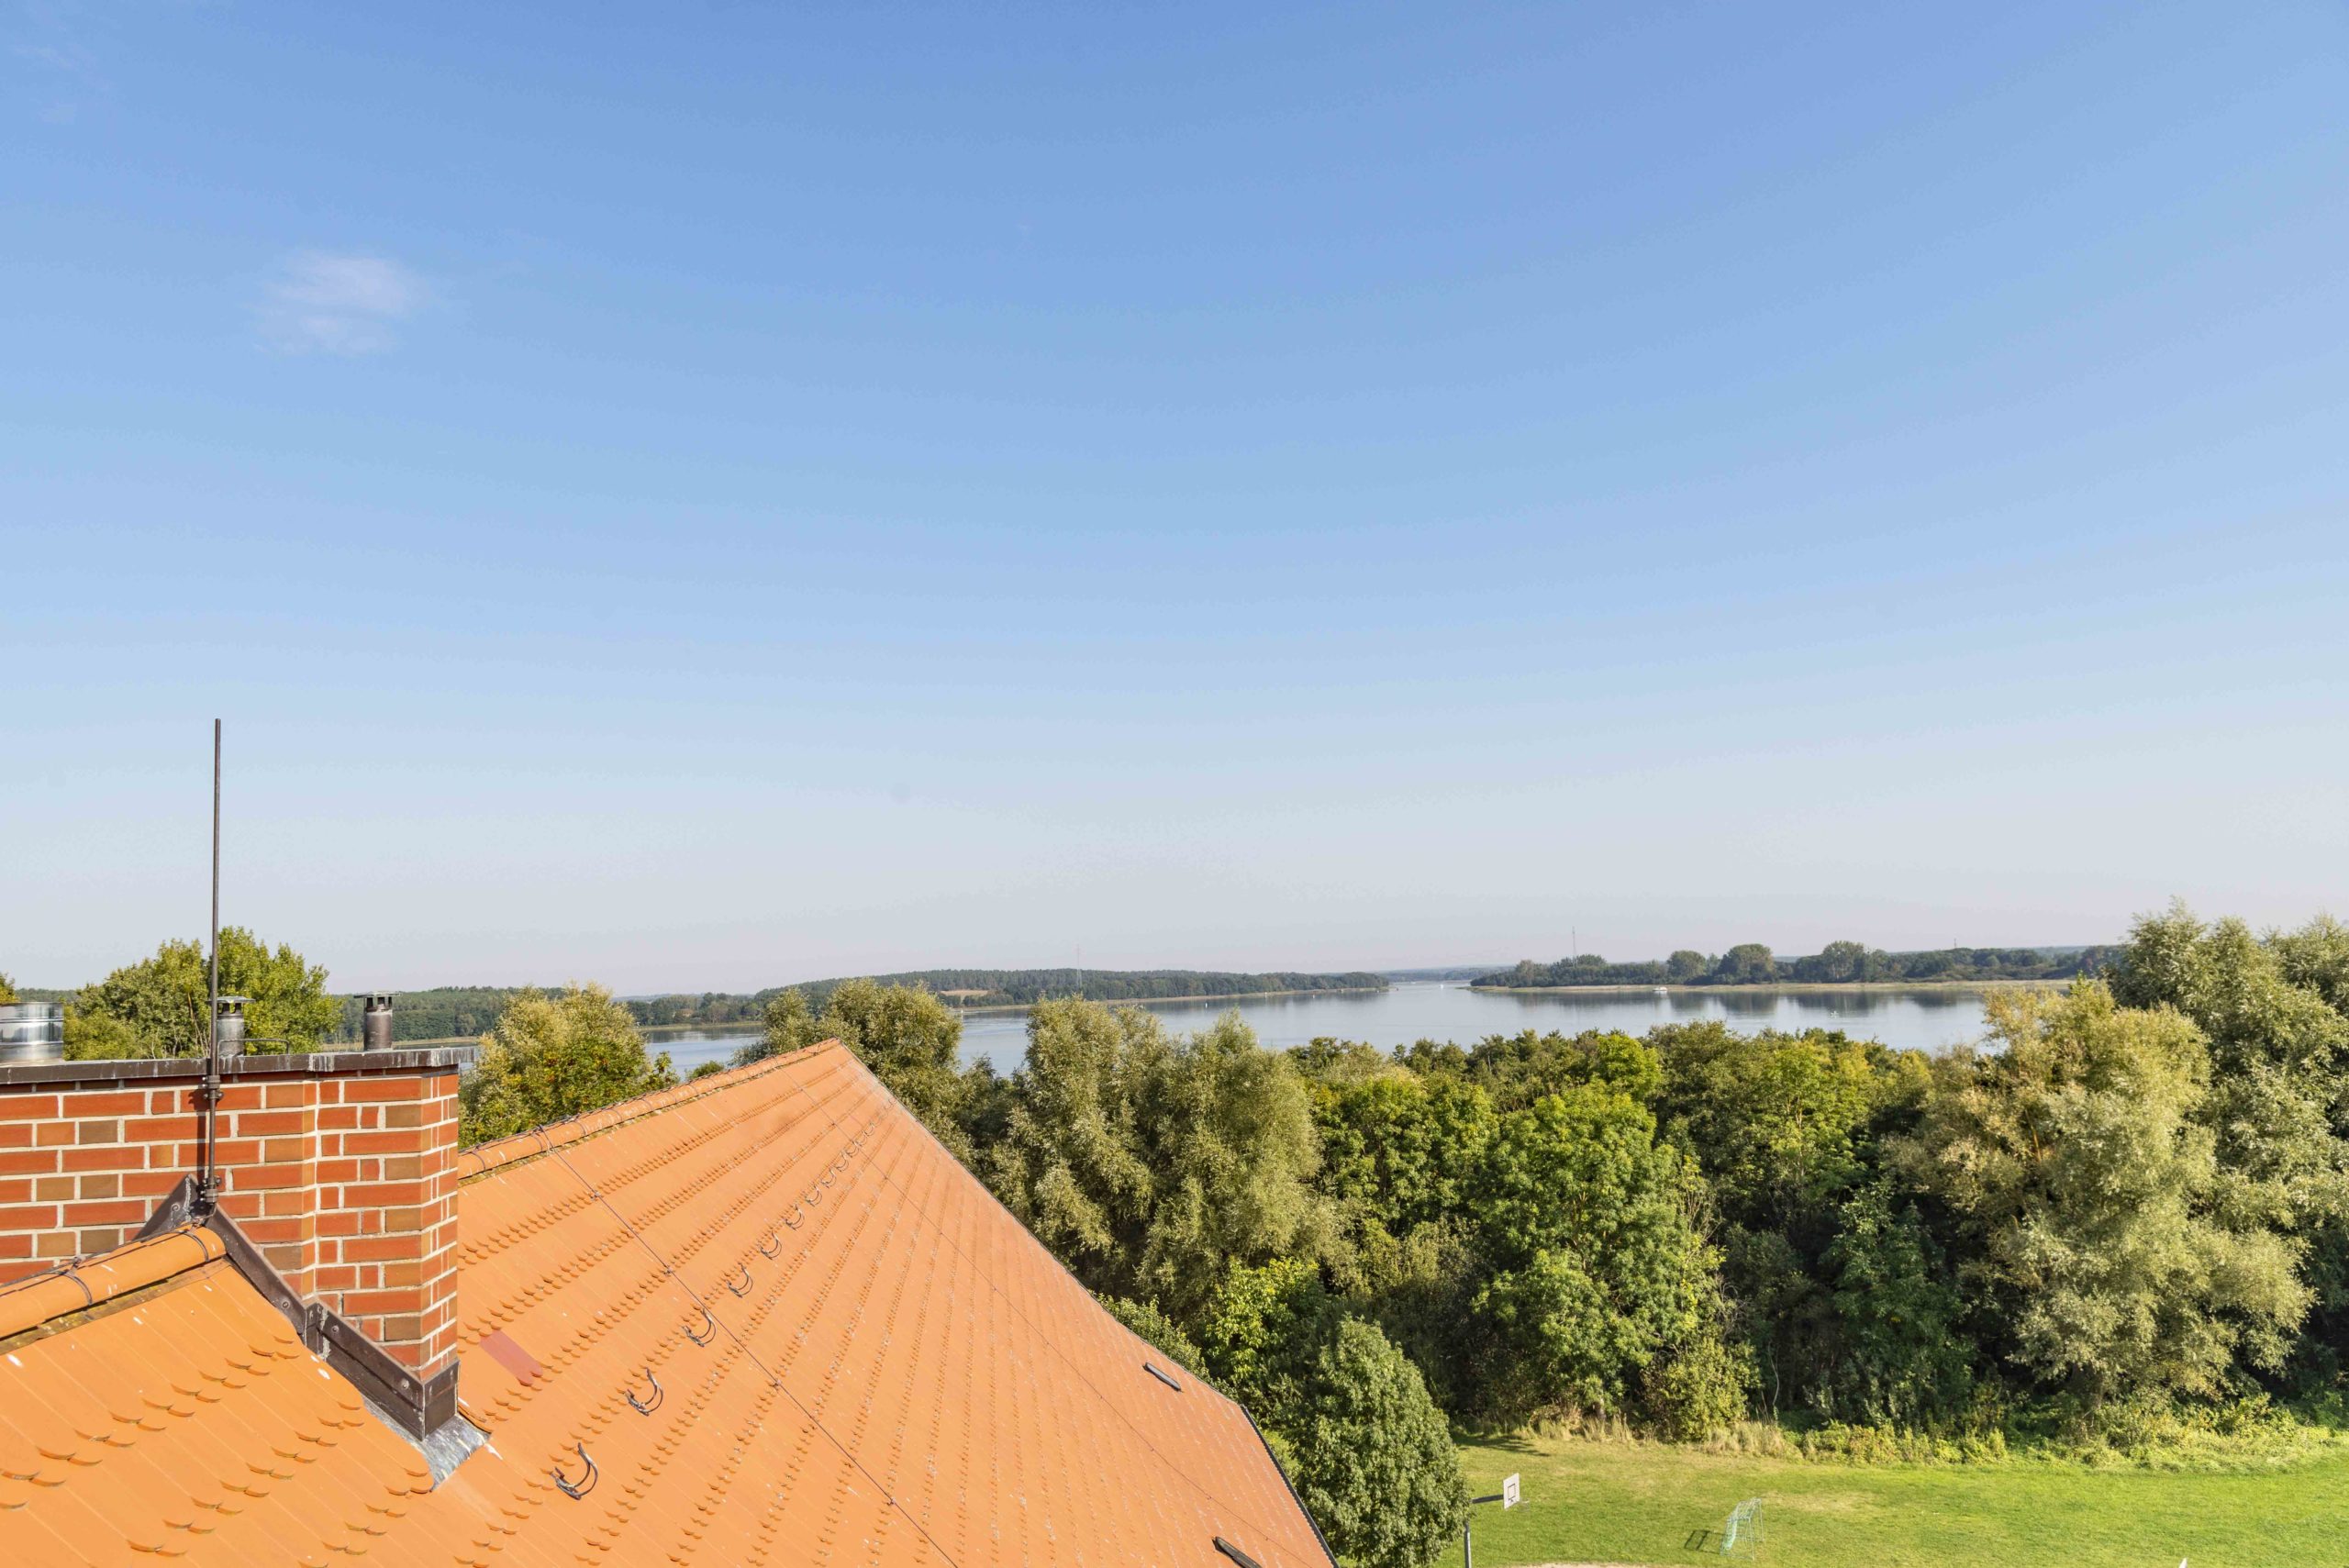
x=752 y=1026
x=746 y=1026
x=1775 y=986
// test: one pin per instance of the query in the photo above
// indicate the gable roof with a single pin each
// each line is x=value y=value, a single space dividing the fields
x=783 y=1323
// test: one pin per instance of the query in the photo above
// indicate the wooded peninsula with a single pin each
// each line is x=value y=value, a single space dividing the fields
x=1838 y=963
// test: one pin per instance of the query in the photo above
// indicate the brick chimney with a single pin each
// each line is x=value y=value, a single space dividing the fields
x=339 y=1169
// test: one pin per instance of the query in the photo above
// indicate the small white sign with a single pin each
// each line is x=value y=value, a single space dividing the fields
x=1509 y=1494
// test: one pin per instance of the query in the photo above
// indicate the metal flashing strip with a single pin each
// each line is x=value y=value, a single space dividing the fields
x=418 y=1407
x=421 y=1406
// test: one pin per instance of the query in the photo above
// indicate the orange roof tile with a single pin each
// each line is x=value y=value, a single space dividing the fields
x=780 y=1321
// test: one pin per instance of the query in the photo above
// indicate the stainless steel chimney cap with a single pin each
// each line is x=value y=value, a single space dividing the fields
x=229 y=1027
x=33 y=1031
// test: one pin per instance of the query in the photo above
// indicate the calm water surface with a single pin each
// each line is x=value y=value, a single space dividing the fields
x=1931 y=1020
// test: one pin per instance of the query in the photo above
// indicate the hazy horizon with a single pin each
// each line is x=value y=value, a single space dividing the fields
x=683 y=502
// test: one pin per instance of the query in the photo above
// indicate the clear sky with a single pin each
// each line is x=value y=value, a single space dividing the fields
x=703 y=495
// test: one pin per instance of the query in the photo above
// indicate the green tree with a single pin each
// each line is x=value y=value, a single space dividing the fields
x=909 y=1038
x=1703 y=1385
x=7 y=991
x=1686 y=966
x=1784 y=1126
x=2088 y=1190
x=2278 y=1106
x=1399 y=1153
x=1519 y=1069
x=912 y=1041
x=788 y=1026
x=1372 y=1459
x=556 y=1056
x=1779 y=1123
x=1260 y=1335
x=1905 y=1362
x=1153 y=1165
x=1070 y=1163
x=1597 y=1271
x=2317 y=957
x=1333 y=1064
x=1746 y=964
x=1229 y=1137
x=1348 y=1413
x=159 y=1006
x=1842 y=961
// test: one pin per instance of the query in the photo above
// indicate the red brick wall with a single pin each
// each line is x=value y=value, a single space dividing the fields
x=346 y=1179
x=384 y=1224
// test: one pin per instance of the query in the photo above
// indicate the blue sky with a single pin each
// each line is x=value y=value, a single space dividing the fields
x=702 y=496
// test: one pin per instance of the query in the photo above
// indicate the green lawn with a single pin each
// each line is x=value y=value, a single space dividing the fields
x=1619 y=1504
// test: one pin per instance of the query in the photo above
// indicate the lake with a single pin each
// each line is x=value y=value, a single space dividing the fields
x=1926 y=1019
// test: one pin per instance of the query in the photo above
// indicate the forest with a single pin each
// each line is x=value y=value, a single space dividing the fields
x=1751 y=963
x=1022 y=988
x=451 y=1012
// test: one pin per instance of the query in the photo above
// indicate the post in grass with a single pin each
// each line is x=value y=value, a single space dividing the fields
x=1507 y=1497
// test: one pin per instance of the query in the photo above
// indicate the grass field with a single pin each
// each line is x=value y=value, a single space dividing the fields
x=1616 y=1503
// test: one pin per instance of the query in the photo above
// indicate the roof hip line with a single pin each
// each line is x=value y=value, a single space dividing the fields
x=1050 y=1343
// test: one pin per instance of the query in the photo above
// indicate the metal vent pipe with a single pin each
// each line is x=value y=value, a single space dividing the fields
x=375 y=1023
x=229 y=1027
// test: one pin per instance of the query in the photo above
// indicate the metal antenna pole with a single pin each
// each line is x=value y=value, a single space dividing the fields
x=205 y=1177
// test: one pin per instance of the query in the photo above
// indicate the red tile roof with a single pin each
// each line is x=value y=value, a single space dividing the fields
x=780 y=1321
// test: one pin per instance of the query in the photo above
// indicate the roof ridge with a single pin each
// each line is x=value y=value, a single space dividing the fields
x=499 y=1153
x=83 y=1282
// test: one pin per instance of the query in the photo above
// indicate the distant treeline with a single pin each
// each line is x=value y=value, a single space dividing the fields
x=452 y=1011
x=1005 y=987
x=445 y=1012
x=1751 y=963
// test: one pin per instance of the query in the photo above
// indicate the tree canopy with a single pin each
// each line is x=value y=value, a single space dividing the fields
x=2141 y=1193
x=556 y=1055
x=1844 y=963
x=2088 y=1192
x=2275 y=1012
x=159 y=1005
x=1154 y=1163
x=1598 y=1269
